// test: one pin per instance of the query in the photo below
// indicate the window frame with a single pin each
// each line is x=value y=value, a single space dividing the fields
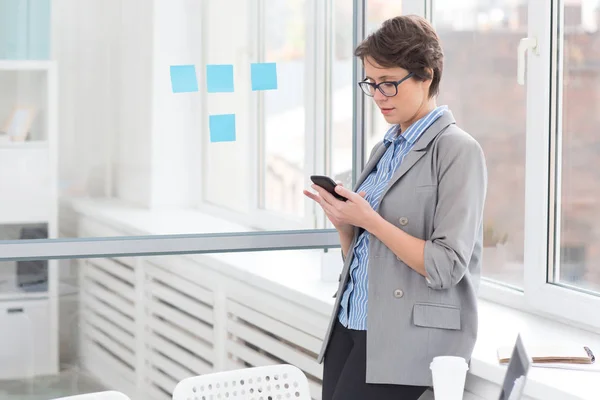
x=543 y=226
x=542 y=183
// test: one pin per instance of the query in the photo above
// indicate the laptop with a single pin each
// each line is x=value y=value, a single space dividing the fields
x=516 y=373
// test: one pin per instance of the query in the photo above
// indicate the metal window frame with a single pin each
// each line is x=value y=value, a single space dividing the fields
x=15 y=250
x=358 y=99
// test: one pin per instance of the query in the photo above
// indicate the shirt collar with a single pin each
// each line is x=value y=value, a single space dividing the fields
x=416 y=129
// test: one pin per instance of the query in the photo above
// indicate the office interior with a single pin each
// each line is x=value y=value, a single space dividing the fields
x=140 y=245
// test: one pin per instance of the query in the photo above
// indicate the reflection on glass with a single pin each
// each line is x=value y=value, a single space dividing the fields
x=579 y=246
x=285 y=136
x=375 y=125
x=114 y=142
x=380 y=10
x=141 y=324
x=487 y=101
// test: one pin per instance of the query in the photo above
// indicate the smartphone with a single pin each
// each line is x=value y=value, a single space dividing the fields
x=328 y=184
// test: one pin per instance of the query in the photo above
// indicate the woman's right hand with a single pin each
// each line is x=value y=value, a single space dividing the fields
x=342 y=228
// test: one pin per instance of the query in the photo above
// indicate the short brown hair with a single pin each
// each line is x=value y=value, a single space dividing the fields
x=408 y=42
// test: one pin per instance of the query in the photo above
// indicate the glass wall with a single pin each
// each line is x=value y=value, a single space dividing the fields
x=140 y=114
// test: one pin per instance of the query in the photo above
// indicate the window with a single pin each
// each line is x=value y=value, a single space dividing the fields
x=560 y=273
x=342 y=89
x=577 y=145
x=284 y=134
x=377 y=12
x=480 y=87
x=539 y=234
x=302 y=128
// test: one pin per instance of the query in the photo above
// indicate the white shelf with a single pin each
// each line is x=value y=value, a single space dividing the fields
x=23 y=219
x=19 y=295
x=34 y=144
x=25 y=65
x=28 y=185
x=10 y=291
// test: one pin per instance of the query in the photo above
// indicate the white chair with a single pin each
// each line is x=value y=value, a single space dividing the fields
x=109 y=395
x=274 y=382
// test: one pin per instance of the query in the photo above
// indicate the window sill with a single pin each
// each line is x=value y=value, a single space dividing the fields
x=300 y=281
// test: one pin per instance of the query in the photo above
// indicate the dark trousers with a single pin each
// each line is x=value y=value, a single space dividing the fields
x=345 y=370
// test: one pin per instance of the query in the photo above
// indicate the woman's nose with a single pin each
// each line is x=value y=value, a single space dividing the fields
x=378 y=96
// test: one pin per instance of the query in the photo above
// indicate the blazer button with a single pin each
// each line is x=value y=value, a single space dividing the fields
x=403 y=221
x=398 y=293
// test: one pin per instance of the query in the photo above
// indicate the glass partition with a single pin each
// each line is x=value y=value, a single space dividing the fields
x=176 y=117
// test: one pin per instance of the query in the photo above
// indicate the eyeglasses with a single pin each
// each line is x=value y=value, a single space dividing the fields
x=388 y=89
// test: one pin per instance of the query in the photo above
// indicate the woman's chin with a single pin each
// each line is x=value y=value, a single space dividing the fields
x=391 y=119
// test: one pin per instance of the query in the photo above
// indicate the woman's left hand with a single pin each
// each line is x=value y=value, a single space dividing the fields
x=355 y=211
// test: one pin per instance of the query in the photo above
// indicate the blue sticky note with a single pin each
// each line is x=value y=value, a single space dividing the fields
x=219 y=78
x=183 y=79
x=264 y=76
x=222 y=128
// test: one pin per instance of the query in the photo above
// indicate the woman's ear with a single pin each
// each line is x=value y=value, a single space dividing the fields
x=429 y=72
x=428 y=80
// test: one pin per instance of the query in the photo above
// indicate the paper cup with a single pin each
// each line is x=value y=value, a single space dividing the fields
x=449 y=375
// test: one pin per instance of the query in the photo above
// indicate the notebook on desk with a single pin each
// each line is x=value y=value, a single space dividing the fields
x=516 y=373
x=548 y=354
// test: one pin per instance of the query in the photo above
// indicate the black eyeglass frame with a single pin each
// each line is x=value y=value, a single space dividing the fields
x=364 y=85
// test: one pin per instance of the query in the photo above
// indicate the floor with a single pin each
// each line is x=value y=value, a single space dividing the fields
x=67 y=383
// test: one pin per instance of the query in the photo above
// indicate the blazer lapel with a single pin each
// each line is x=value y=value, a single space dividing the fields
x=420 y=147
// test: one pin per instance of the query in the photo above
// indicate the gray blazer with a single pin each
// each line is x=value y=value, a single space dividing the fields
x=437 y=194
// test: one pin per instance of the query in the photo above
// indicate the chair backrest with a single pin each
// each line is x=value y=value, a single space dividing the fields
x=273 y=382
x=109 y=395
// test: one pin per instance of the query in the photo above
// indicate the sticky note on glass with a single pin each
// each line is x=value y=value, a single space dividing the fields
x=222 y=127
x=183 y=79
x=264 y=76
x=219 y=78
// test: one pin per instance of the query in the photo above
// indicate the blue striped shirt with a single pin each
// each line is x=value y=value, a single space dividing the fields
x=353 y=304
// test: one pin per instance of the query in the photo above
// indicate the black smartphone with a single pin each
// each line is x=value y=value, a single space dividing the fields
x=328 y=184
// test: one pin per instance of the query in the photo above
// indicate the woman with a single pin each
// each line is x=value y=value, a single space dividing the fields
x=411 y=234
